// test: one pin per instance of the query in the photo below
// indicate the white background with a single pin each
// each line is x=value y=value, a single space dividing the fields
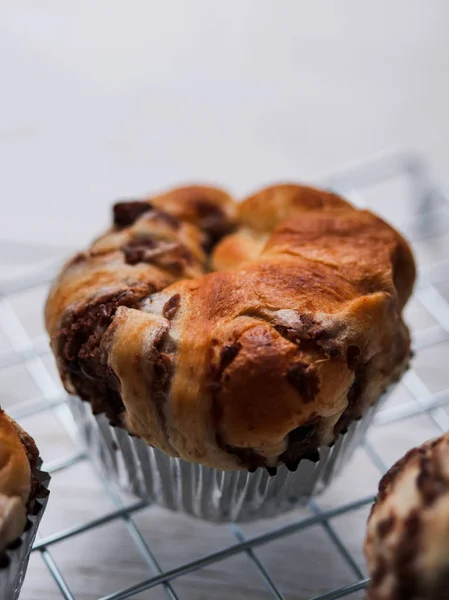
x=107 y=99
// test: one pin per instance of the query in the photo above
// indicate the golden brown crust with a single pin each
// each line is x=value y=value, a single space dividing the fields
x=295 y=332
x=407 y=541
x=15 y=481
x=209 y=208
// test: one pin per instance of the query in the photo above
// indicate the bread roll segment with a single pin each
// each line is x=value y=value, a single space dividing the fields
x=15 y=481
x=407 y=541
x=235 y=335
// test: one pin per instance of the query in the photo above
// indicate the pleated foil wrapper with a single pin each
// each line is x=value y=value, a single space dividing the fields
x=14 y=561
x=203 y=492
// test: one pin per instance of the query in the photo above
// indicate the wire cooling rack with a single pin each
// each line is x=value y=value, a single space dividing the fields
x=312 y=553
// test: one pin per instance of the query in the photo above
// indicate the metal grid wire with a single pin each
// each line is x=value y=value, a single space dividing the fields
x=427 y=203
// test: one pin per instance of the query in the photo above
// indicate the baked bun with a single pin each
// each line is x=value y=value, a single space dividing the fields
x=407 y=543
x=235 y=335
x=19 y=459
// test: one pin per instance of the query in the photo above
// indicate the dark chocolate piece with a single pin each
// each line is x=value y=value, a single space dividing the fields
x=213 y=221
x=79 y=341
x=228 y=354
x=353 y=357
x=386 y=526
x=127 y=213
x=303 y=377
x=171 y=307
x=292 y=465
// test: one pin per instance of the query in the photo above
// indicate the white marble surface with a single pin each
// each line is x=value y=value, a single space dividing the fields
x=106 y=99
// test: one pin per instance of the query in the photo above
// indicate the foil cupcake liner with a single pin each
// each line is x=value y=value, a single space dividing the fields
x=14 y=561
x=203 y=492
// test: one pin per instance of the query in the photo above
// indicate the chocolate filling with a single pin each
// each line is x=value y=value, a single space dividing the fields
x=353 y=357
x=127 y=213
x=430 y=482
x=354 y=395
x=386 y=526
x=214 y=221
x=309 y=335
x=166 y=255
x=355 y=391
x=248 y=457
x=408 y=582
x=82 y=330
x=37 y=490
x=79 y=341
x=163 y=369
x=304 y=379
x=171 y=307
x=227 y=355
x=302 y=444
x=403 y=562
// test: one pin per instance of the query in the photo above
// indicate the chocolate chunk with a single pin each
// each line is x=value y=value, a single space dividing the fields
x=33 y=458
x=248 y=457
x=312 y=455
x=161 y=363
x=302 y=441
x=213 y=220
x=215 y=372
x=163 y=370
x=79 y=343
x=171 y=306
x=307 y=321
x=301 y=434
x=430 y=482
x=309 y=335
x=292 y=465
x=166 y=255
x=354 y=396
x=126 y=213
x=412 y=524
x=139 y=250
x=385 y=526
x=289 y=333
x=304 y=379
x=228 y=354
x=352 y=357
